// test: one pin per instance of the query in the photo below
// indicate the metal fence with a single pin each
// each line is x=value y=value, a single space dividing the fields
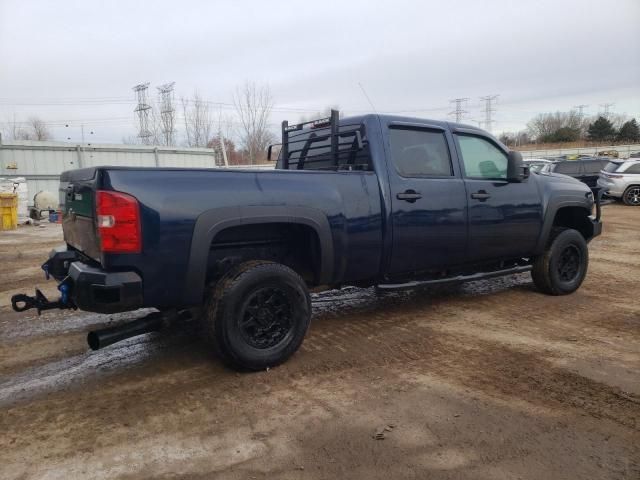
x=624 y=151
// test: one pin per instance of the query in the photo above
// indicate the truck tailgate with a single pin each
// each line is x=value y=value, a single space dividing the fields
x=77 y=201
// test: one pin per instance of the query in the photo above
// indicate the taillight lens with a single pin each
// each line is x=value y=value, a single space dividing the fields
x=118 y=216
x=611 y=175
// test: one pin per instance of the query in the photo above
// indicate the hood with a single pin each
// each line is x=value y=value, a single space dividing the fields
x=558 y=178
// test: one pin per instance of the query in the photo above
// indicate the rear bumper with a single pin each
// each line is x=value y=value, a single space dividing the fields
x=94 y=289
x=610 y=187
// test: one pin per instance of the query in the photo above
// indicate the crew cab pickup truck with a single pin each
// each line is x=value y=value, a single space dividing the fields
x=371 y=200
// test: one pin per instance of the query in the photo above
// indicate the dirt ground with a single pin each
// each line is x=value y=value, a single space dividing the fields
x=491 y=380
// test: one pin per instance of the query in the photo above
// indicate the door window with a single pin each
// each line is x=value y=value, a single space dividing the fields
x=568 y=168
x=420 y=153
x=633 y=169
x=593 y=167
x=481 y=158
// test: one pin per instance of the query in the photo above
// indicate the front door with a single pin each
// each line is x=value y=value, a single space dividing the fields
x=505 y=218
x=428 y=201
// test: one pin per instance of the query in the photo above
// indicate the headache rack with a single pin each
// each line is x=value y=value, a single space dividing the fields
x=298 y=150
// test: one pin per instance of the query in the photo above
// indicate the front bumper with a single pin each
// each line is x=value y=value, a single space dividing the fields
x=93 y=289
x=596 y=222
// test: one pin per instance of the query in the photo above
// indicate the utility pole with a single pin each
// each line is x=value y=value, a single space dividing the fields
x=167 y=113
x=458 y=111
x=224 y=149
x=606 y=107
x=142 y=111
x=488 y=110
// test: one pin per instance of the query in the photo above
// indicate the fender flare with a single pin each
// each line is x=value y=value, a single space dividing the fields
x=550 y=215
x=211 y=222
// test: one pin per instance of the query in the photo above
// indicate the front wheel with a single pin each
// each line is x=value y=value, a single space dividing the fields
x=562 y=267
x=257 y=315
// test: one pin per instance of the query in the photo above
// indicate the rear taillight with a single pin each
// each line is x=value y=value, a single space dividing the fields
x=611 y=175
x=118 y=216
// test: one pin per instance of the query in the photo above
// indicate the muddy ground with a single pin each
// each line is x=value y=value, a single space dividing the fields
x=488 y=381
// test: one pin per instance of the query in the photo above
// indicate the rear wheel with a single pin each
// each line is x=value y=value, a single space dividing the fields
x=257 y=315
x=631 y=196
x=562 y=267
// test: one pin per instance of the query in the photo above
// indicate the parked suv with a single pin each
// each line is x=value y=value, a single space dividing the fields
x=586 y=170
x=621 y=180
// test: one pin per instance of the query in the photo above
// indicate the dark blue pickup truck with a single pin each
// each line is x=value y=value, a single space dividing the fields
x=367 y=200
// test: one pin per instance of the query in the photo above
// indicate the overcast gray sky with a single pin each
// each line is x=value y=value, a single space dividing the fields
x=75 y=61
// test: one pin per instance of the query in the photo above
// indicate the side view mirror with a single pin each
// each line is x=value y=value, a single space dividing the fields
x=516 y=170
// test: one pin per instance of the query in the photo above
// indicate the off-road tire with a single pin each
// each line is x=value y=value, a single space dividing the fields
x=629 y=198
x=226 y=310
x=550 y=273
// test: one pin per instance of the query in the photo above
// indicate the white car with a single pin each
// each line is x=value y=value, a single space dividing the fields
x=621 y=179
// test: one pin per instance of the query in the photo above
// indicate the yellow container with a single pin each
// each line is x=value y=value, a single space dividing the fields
x=8 y=211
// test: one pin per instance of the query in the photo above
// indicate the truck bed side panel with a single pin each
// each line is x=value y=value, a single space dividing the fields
x=171 y=202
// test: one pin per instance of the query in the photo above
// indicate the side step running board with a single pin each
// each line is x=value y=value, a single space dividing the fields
x=457 y=279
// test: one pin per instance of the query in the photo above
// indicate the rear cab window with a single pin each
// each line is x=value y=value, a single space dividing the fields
x=310 y=149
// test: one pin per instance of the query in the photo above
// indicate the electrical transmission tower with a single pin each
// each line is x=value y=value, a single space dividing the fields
x=458 y=111
x=489 y=102
x=605 y=108
x=580 y=109
x=142 y=110
x=167 y=113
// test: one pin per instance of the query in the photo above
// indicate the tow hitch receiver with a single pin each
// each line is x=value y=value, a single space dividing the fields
x=22 y=302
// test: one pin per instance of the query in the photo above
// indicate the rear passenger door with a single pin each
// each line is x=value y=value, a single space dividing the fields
x=427 y=198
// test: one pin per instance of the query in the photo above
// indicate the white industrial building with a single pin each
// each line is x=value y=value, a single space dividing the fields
x=41 y=163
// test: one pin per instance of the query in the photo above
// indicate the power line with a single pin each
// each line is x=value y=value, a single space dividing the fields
x=459 y=111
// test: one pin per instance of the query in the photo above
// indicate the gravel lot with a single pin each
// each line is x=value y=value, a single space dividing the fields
x=490 y=380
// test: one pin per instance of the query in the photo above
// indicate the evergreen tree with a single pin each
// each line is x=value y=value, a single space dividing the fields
x=601 y=129
x=629 y=132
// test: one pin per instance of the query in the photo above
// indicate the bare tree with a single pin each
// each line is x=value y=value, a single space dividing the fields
x=253 y=106
x=33 y=129
x=198 y=122
x=39 y=130
x=545 y=125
